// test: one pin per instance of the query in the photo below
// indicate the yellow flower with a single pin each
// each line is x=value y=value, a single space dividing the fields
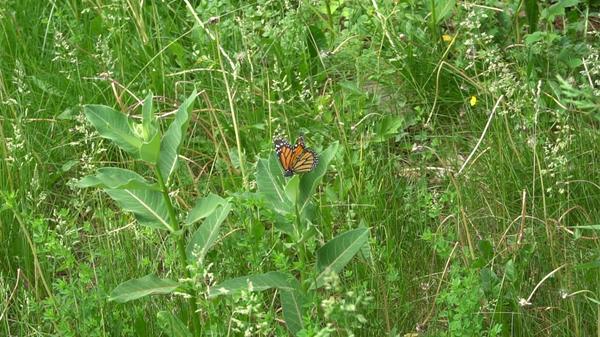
x=447 y=38
x=473 y=100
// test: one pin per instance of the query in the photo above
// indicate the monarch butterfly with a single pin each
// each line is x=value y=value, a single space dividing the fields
x=295 y=159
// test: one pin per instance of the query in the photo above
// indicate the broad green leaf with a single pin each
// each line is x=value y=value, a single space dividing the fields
x=45 y=86
x=270 y=182
x=309 y=181
x=114 y=125
x=206 y=235
x=260 y=282
x=204 y=207
x=557 y=9
x=148 y=206
x=333 y=6
x=335 y=254
x=292 y=188
x=530 y=39
x=137 y=288
x=569 y=3
x=351 y=88
x=116 y=178
x=291 y=303
x=69 y=165
x=169 y=146
x=388 y=127
x=150 y=150
x=171 y=325
x=443 y=9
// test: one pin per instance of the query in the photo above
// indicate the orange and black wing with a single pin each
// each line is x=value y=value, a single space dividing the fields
x=299 y=147
x=305 y=162
x=285 y=154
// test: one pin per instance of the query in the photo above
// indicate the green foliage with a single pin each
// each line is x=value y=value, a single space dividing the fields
x=335 y=254
x=114 y=178
x=170 y=142
x=462 y=302
x=392 y=110
x=204 y=207
x=291 y=303
x=148 y=206
x=114 y=125
x=172 y=326
x=141 y=287
x=251 y=283
x=205 y=236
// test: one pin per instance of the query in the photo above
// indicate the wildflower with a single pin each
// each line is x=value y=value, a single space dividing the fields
x=473 y=100
x=447 y=38
x=524 y=303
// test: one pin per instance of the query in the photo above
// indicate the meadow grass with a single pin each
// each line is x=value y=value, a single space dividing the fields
x=468 y=145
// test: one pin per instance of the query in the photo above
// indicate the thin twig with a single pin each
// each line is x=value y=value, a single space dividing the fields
x=489 y=122
x=12 y=293
x=525 y=302
x=211 y=36
x=523 y=217
x=440 y=285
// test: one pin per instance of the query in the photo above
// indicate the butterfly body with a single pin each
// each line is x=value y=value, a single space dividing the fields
x=295 y=158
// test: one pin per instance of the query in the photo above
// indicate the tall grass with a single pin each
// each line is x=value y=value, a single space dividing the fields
x=452 y=254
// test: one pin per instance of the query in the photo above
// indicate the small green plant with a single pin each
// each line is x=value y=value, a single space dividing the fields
x=152 y=206
x=463 y=303
x=150 y=202
x=290 y=201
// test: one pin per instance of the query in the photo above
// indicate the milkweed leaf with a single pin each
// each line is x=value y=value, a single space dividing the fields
x=335 y=254
x=116 y=178
x=169 y=146
x=206 y=235
x=148 y=206
x=114 y=125
x=141 y=287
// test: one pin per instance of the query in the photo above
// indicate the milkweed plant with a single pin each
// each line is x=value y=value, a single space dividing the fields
x=149 y=200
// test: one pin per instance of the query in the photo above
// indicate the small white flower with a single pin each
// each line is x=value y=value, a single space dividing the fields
x=524 y=303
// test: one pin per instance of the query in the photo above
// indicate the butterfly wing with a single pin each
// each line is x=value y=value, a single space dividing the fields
x=305 y=159
x=299 y=148
x=285 y=154
x=295 y=159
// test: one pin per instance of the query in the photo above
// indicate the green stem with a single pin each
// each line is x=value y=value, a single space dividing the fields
x=234 y=120
x=432 y=23
x=299 y=234
x=330 y=19
x=180 y=239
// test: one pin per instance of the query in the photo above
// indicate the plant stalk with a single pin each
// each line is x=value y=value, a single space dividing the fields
x=299 y=234
x=180 y=239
